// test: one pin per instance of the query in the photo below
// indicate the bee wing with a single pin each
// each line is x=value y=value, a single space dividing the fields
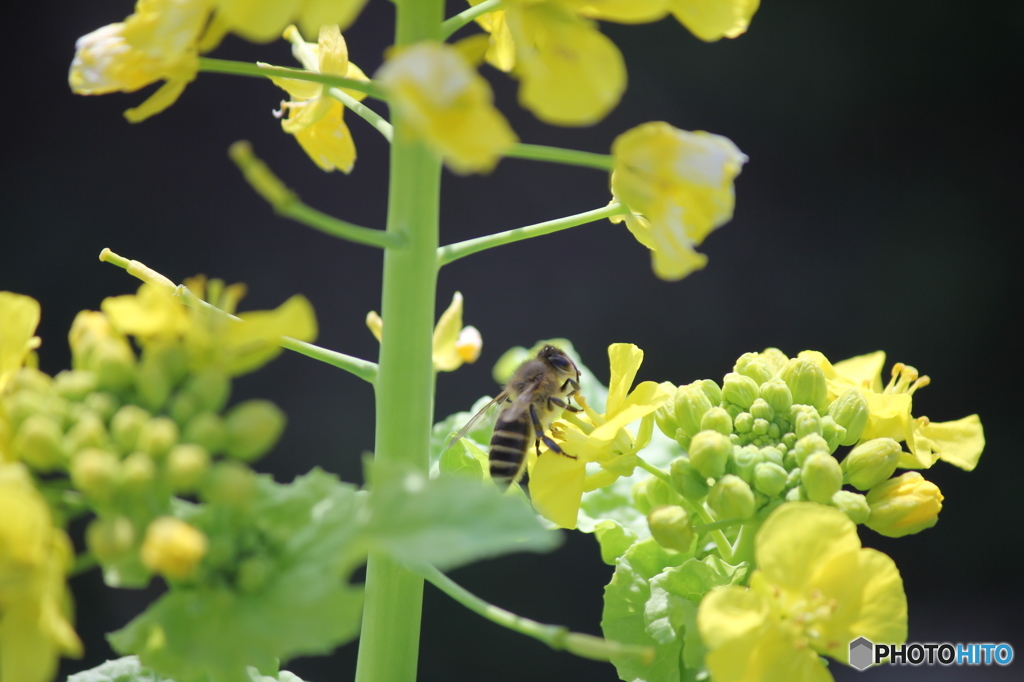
x=519 y=405
x=475 y=419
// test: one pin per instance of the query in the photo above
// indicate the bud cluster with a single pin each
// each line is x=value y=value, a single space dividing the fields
x=132 y=432
x=770 y=433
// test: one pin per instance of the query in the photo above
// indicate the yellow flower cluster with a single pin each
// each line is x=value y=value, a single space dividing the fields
x=570 y=73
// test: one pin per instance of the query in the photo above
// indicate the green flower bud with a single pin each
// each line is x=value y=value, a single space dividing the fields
x=39 y=442
x=716 y=419
x=832 y=433
x=854 y=505
x=652 y=492
x=88 y=432
x=739 y=390
x=904 y=505
x=253 y=573
x=152 y=384
x=95 y=472
x=231 y=484
x=670 y=527
x=850 y=410
x=769 y=478
x=821 y=477
x=19 y=406
x=709 y=453
x=102 y=403
x=777 y=394
x=797 y=494
x=760 y=409
x=743 y=423
x=807 y=382
x=753 y=366
x=109 y=539
x=712 y=390
x=731 y=498
x=183 y=407
x=771 y=453
x=687 y=481
x=743 y=461
x=157 y=437
x=809 y=445
x=253 y=427
x=774 y=432
x=212 y=387
x=806 y=421
x=187 y=464
x=125 y=426
x=774 y=358
x=871 y=462
x=793 y=478
x=137 y=472
x=760 y=427
x=75 y=384
x=665 y=415
x=31 y=379
x=691 y=402
x=206 y=429
x=113 y=362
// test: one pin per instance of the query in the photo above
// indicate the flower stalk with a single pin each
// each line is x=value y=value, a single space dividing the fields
x=235 y=68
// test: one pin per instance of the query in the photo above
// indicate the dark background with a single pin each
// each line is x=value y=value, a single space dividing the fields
x=881 y=208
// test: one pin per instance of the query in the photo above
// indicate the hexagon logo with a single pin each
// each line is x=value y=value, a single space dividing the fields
x=862 y=653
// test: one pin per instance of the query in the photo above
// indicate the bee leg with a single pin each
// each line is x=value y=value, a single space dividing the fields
x=552 y=445
x=564 y=405
x=571 y=382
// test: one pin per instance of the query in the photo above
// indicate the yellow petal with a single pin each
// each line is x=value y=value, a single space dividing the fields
x=166 y=95
x=798 y=538
x=333 y=52
x=152 y=312
x=556 y=488
x=328 y=141
x=501 y=51
x=446 y=336
x=712 y=20
x=731 y=613
x=570 y=73
x=255 y=340
x=889 y=416
x=644 y=400
x=19 y=317
x=624 y=359
x=864 y=371
x=317 y=13
x=259 y=21
x=767 y=656
x=958 y=442
x=375 y=324
x=623 y=11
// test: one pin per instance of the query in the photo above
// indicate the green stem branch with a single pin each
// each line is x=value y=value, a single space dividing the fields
x=286 y=203
x=450 y=26
x=572 y=157
x=452 y=252
x=557 y=637
x=379 y=123
x=234 y=68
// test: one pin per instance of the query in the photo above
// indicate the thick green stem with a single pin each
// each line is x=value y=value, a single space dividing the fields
x=389 y=642
x=452 y=252
x=572 y=157
x=234 y=68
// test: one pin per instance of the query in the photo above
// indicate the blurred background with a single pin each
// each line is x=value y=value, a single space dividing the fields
x=881 y=209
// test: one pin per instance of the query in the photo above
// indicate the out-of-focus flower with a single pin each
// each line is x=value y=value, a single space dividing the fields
x=679 y=187
x=35 y=627
x=173 y=548
x=314 y=117
x=453 y=344
x=448 y=105
x=814 y=591
x=19 y=317
x=263 y=20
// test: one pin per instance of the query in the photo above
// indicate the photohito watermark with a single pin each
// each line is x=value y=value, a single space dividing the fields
x=865 y=653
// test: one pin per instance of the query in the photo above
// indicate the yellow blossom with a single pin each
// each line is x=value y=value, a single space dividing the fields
x=34 y=601
x=959 y=442
x=160 y=41
x=678 y=186
x=173 y=548
x=314 y=117
x=904 y=505
x=263 y=20
x=557 y=482
x=452 y=344
x=814 y=591
x=19 y=317
x=447 y=104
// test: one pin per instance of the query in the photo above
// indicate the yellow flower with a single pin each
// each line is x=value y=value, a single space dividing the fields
x=447 y=104
x=679 y=187
x=314 y=117
x=501 y=51
x=958 y=442
x=712 y=20
x=212 y=339
x=160 y=41
x=263 y=20
x=814 y=591
x=19 y=317
x=173 y=548
x=34 y=601
x=452 y=344
x=557 y=482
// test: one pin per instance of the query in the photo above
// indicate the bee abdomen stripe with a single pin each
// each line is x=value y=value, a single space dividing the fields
x=509 y=435
x=503 y=464
x=500 y=453
x=509 y=443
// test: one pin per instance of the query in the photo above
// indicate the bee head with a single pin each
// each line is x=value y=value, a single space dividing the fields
x=557 y=358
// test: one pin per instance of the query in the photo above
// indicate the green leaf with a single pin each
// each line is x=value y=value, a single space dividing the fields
x=443 y=431
x=129 y=669
x=300 y=541
x=624 y=617
x=450 y=520
x=614 y=540
x=465 y=458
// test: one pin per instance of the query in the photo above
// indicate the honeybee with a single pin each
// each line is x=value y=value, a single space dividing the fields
x=537 y=393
